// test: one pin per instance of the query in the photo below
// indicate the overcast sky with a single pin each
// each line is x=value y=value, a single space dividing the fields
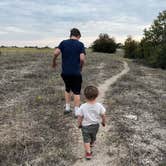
x=47 y=22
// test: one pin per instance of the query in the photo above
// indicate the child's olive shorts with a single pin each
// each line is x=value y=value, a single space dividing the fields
x=89 y=133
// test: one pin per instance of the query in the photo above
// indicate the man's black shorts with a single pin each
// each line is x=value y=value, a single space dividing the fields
x=72 y=83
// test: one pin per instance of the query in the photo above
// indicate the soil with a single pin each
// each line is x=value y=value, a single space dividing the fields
x=34 y=131
x=137 y=118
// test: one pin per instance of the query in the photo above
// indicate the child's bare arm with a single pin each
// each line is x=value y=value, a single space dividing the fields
x=103 y=119
x=80 y=118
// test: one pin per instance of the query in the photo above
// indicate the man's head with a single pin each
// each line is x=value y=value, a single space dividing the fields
x=75 y=33
x=91 y=92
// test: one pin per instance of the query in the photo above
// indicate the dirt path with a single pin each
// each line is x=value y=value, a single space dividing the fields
x=136 y=105
x=100 y=157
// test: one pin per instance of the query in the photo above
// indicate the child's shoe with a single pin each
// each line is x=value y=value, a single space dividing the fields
x=88 y=156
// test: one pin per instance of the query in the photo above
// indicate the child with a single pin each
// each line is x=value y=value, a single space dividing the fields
x=89 y=117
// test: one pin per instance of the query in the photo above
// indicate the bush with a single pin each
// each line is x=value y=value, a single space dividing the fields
x=162 y=57
x=104 y=44
x=131 y=48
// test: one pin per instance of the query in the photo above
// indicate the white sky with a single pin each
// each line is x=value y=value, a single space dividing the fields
x=41 y=22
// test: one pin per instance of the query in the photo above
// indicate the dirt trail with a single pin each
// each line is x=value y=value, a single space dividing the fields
x=100 y=151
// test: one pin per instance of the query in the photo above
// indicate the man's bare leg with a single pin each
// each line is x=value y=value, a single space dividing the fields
x=68 y=99
x=76 y=103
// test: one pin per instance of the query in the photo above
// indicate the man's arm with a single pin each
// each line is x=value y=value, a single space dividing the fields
x=80 y=118
x=82 y=60
x=103 y=119
x=56 y=54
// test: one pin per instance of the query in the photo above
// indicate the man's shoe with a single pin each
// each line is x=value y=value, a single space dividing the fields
x=75 y=114
x=67 y=112
x=88 y=156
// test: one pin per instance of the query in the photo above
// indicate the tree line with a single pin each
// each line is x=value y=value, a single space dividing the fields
x=151 y=49
x=45 y=47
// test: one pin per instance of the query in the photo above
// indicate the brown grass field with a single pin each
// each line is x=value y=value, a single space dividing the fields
x=34 y=131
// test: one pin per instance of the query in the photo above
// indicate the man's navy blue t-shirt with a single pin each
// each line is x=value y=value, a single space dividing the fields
x=71 y=50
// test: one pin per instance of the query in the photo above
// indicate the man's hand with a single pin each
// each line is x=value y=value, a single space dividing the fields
x=54 y=65
x=80 y=126
x=103 y=124
x=56 y=54
x=82 y=60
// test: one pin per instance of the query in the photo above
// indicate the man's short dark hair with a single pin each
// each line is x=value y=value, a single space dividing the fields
x=75 y=32
x=91 y=92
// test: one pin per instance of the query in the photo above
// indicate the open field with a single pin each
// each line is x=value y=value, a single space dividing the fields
x=31 y=107
x=34 y=131
x=137 y=111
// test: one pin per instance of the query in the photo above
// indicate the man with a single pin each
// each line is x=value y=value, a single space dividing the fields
x=73 y=57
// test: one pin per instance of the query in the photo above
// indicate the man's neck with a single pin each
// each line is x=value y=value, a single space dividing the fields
x=73 y=37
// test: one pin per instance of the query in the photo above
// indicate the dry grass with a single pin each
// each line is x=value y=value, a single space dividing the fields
x=34 y=130
x=137 y=117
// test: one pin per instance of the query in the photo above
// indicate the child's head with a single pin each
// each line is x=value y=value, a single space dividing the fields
x=91 y=92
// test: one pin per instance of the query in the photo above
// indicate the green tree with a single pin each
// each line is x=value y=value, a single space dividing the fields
x=152 y=47
x=154 y=42
x=157 y=32
x=131 y=48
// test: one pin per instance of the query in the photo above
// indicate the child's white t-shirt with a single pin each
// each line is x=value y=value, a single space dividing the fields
x=91 y=113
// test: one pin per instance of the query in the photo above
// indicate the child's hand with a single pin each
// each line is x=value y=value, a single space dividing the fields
x=103 y=124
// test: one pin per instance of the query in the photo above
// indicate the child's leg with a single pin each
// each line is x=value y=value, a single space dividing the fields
x=93 y=139
x=87 y=147
x=94 y=132
x=86 y=139
x=88 y=153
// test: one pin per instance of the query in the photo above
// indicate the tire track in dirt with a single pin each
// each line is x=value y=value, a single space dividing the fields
x=100 y=155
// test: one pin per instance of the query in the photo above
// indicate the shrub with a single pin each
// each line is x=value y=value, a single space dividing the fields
x=162 y=57
x=131 y=48
x=104 y=44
